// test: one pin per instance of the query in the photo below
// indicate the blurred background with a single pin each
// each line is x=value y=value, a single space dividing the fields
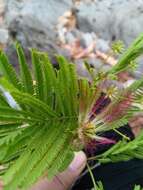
x=76 y=28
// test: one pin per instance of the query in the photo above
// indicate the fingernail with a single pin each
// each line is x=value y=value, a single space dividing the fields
x=78 y=162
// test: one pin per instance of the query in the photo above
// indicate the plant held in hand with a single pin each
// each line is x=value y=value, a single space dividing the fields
x=46 y=114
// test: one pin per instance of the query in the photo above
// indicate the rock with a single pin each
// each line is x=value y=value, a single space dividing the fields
x=112 y=20
x=97 y=64
x=87 y=39
x=102 y=45
x=3 y=36
x=2 y=8
x=70 y=38
x=90 y=18
x=33 y=22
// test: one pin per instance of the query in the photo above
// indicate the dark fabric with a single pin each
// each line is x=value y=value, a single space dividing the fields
x=119 y=176
x=114 y=176
x=126 y=130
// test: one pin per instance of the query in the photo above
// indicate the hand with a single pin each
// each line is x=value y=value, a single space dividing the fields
x=64 y=180
x=136 y=123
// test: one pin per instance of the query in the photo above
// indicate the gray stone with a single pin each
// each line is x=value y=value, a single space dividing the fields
x=96 y=63
x=91 y=19
x=102 y=45
x=3 y=36
x=70 y=38
x=87 y=39
x=112 y=19
x=33 y=22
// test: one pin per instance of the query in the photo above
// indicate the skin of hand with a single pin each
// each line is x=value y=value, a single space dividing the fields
x=136 y=123
x=64 y=180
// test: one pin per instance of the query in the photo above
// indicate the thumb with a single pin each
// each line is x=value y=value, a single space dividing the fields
x=64 y=180
x=70 y=175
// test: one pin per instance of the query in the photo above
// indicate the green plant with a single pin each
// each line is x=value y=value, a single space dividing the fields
x=100 y=187
x=137 y=187
x=123 y=150
x=46 y=114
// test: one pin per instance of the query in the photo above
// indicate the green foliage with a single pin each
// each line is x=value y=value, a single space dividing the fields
x=45 y=114
x=118 y=47
x=98 y=185
x=133 y=52
x=26 y=78
x=137 y=187
x=37 y=137
x=123 y=151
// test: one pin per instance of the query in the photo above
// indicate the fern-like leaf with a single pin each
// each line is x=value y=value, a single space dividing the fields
x=26 y=77
x=46 y=114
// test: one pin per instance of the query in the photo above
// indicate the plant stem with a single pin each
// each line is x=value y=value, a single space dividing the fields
x=92 y=177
